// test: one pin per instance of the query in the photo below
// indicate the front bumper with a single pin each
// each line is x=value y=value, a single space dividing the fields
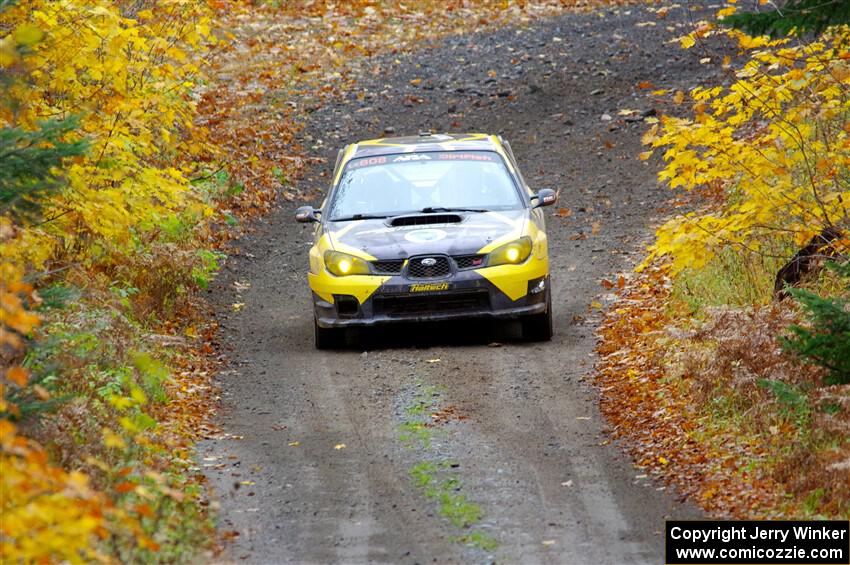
x=465 y=295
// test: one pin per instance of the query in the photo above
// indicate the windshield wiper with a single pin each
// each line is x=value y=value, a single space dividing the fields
x=360 y=217
x=427 y=210
x=433 y=209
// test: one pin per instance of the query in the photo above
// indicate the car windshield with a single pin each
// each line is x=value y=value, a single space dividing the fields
x=391 y=185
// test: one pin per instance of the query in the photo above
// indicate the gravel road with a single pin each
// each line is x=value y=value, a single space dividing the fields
x=524 y=435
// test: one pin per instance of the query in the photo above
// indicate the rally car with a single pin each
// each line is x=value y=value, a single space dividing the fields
x=428 y=228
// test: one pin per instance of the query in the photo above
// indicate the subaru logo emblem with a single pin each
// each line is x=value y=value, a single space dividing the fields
x=429 y=262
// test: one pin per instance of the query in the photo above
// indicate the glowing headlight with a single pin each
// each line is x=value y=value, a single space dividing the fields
x=511 y=253
x=342 y=264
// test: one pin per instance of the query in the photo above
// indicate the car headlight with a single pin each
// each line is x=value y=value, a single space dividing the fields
x=512 y=253
x=342 y=264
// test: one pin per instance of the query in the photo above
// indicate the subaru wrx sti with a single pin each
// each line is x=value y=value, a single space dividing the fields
x=429 y=228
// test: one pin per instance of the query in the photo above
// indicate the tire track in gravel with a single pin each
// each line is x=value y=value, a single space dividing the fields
x=532 y=422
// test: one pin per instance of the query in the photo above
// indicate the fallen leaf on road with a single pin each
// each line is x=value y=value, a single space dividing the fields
x=567 y=483
x=340 y=446
x=433 y=361
x=237 y=306
x=294 y=443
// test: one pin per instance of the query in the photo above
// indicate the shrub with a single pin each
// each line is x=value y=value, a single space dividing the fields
x=826 y=342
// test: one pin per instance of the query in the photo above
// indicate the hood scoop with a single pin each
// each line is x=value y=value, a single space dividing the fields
x=425 y=219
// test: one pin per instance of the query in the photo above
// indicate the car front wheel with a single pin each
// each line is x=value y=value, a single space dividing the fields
x=328 y=338
x=538 y=327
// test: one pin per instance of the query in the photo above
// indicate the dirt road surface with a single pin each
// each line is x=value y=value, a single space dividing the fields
x=525 y=439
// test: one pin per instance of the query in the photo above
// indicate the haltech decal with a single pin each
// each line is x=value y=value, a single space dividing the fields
x=429 y=287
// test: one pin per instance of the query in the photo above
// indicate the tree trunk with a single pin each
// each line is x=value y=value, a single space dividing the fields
x=805 y=261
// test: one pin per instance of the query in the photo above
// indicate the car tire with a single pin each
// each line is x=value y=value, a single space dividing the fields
x=328 y=338
x=538 y=327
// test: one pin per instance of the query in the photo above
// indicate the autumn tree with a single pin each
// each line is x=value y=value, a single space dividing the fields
x=775 y=142
x=774 y=146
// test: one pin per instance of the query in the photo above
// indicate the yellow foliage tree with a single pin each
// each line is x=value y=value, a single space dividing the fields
x=127 y=73
x=776 y=141
x=46 y=513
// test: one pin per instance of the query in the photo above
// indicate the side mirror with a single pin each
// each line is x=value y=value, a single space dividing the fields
x=306 y=214
x=545 y=197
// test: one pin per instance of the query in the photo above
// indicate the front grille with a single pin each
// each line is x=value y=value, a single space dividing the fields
x=388 y=267
x=419 y=267
x=469 y=261
x=432 y=303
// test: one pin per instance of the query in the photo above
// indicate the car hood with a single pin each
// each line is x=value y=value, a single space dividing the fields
x=467 y=237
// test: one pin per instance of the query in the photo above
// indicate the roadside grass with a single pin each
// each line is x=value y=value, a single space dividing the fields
x=770 y=400
x=119 y=389
x=747 y=389
x=759 y=435
x=733 y=278
x=433 y=474
x=113 y=398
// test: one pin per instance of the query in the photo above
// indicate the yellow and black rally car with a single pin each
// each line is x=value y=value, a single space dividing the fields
x=429 y=228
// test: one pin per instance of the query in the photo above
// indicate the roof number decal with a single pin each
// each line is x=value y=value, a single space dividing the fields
x=369 y=162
